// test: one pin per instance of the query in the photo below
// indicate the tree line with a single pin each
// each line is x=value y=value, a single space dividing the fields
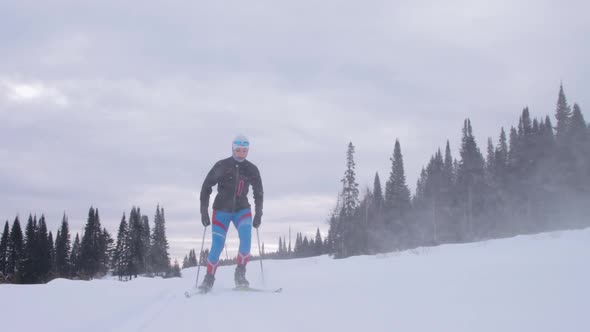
x=35 y=257
x=534 y=178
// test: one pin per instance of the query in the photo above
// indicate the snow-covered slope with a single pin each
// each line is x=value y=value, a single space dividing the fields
x=528 y=283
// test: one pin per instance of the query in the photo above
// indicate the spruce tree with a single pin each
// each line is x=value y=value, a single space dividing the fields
x=146 y=242
x=136 y=233
x=344 y=234
x=91 y=256
x=159 y=252
x=176 y=270
x=563 y=114
x=298 y=250
x=122 y=254
x=490 y=159
x=75 y=258
x=192 y=258
x=470 y=181
x=305 y=247
x=62 y=249
x=29 y=264
x=434 y=192
x=43 y=251
x=318 y=250
x=51 y=243
x=106 y=251
x=447 y=220
x=15 y=249
x=501 y=157
x=579 y=142
x=397 y=199
x=350 y=191
x=397 y=194
x=378 y=199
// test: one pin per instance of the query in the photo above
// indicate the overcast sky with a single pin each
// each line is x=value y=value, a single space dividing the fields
x=120 y=104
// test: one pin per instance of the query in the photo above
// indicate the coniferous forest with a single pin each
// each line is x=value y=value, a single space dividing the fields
x=35 y=256
x=532 y=177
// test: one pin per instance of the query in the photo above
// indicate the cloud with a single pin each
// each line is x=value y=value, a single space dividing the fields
x=32 y=92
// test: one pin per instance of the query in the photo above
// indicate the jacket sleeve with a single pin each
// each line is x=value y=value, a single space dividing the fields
x=257 y=191
x=212 y=178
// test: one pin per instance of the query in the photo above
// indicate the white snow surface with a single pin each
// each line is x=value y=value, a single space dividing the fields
x=526 y=283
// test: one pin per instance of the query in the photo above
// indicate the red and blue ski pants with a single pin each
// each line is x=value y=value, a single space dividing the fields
x=242 y=220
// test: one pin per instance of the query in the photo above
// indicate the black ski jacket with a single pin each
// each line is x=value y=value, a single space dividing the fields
x=233 y=179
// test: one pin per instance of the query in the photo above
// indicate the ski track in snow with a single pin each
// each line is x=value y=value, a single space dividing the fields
x=527 y=283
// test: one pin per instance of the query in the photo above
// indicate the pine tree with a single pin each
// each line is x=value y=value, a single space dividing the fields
x=106 y=250
x=137 y=235
x=175 y=270
x=192 y=258
x=306 y=246
x=28 y=273
x=146 y=241
x=4 y=251
x=43 y=251
x=397 y=198
x=62 y=249
x=397 y=194
x=344 y=233
x=350 y=191
x=203 y=257
x=563 y=114
x=122 y=254
x=434 y=191
x=490 y=159
x=318 y=249
x=470 y=180
x=75 y=258
x=447 y=220
x=378 y=199
x=501 y=157
x=52 y=272
x=298 y=248
x=15 y=249
x=579 y=141
x=91 y=256
x=159 y=251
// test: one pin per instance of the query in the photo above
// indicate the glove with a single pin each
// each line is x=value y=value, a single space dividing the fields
x=205 y=217
x=257 y=220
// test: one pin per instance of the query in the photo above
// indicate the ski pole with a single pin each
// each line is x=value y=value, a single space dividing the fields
x=260 y=256
x=200 y=257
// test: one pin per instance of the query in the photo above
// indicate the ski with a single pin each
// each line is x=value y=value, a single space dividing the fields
x=257 y=290
x=195 y=291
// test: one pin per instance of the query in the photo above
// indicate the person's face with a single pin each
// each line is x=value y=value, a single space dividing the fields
x=241 y=153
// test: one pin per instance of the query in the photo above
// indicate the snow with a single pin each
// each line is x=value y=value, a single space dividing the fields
x=527 y=283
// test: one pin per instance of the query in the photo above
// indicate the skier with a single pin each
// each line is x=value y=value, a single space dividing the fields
x=233 y=176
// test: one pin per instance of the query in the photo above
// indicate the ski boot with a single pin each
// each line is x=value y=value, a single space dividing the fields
x=207 y=283
x=240 y=277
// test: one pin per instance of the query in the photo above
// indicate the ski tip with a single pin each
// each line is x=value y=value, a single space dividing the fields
x=258 y=290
